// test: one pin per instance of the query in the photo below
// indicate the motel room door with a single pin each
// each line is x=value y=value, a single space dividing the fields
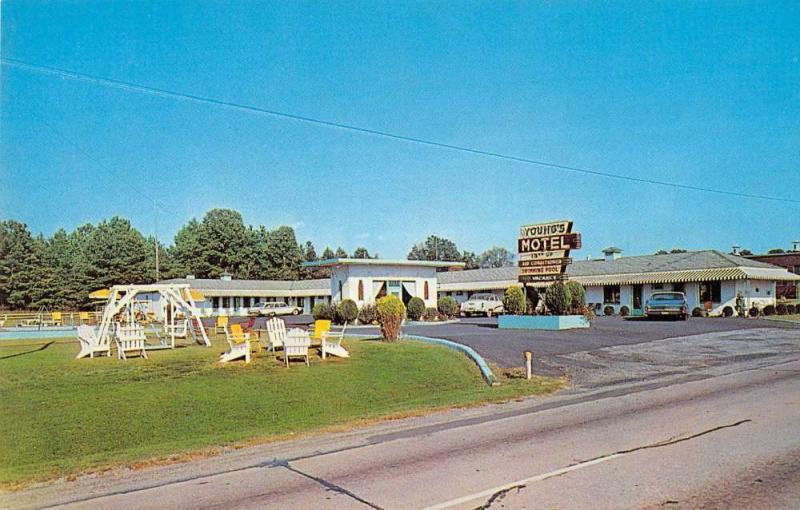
x=637 y=300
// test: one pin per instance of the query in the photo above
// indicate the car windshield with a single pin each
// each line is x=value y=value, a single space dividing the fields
x=479 y=297
x=667 y=296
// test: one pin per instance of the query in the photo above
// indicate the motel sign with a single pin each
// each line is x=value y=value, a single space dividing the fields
x=543 y=250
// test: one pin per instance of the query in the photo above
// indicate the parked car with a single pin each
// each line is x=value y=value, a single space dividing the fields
x=275 y=308
x=665 y=304
x=482 y=304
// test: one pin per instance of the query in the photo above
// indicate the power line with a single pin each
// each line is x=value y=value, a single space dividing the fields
x=124 y=85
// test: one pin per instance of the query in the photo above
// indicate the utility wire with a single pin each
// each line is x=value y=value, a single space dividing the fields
x=124 y=85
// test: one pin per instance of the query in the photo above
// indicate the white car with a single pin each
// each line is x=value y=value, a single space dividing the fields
x=482 y=304
x=275 y=308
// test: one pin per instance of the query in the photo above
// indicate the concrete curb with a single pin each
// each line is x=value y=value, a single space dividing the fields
x=486 y=372
x=414 y=324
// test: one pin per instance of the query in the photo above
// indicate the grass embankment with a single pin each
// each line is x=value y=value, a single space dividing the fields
x=787 y=318
x=60 y=416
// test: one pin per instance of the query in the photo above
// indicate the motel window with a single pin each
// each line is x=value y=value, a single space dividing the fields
x=215 y=302
x=678 y=287
x=710 y=291
x=611 y=294
x=658 y=286
x=246 y=302
x=426 y=292
x=360 y=290
x=796 y=270
x=340 y=289
x=459 y=293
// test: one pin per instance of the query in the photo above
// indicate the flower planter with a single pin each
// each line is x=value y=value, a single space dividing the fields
x=545 y=322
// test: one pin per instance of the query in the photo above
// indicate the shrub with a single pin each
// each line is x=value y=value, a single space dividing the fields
x=790 y=309
x=753 y=311
x=588 y=312
x=368 y=314
x=346 y=311
x=577 y=296
x=514 y=300
x=698 y=312
x=624 y=311
x=608 y=310
x=557 y=298
x=727 y=311
x=390 y=314
x=769 y=310
x=781 y=309
x=415 y=309
x=448 y=306
x=431 y=314
x=324 y=311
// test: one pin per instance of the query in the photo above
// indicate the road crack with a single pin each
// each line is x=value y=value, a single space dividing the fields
x=500 y=494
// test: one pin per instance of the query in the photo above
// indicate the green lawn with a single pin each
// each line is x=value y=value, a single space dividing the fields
x=60 y=416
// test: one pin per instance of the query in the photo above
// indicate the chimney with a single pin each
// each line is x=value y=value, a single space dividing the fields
x=736 y=249
x=612 y=253
x=190 y=277
x=225 y=277
x=795 y=245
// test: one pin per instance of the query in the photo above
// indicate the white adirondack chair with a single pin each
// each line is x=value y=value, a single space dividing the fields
x=276 y=333
x=130 y=339
x=239 y=345
x=296 y=345
x=90 y=343
x=332 y=343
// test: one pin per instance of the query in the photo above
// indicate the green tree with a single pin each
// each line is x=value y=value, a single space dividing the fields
x=775 y=251
x=283 y=254
x=340 y=253
x=677 y=250
x=328 y=254
x=20 y=255
x=662 y=252
x=117 y=254
x=361 y=253
x=470 y=260
x=436 y=248
x=188 y=251
x=496 y=257
x=226 y=242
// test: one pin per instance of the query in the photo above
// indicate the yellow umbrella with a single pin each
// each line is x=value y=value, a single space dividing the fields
x=197 y=295
x=100 y=294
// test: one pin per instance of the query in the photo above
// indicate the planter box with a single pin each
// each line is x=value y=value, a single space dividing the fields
x=546 y=322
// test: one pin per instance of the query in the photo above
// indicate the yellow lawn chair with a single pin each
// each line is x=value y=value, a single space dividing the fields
x=56 y=319
x=321 y=330
x=222 y=323
x=238 y=342
x=83 y=317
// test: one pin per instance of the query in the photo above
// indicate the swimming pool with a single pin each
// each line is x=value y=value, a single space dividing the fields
x=23 y=333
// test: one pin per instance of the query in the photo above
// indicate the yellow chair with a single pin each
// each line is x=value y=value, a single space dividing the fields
x=222 y=323
x=56 y=318
x=321 y=330
x=84 y=317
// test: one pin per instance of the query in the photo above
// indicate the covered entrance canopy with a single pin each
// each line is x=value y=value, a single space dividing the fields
x=175 y=298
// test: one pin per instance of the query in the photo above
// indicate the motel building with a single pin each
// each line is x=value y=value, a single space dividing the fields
x=706 y=277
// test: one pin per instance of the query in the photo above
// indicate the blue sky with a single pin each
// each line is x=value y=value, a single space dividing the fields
x=700 y=93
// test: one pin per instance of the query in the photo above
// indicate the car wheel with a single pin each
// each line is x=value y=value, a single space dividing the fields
x=295 y=311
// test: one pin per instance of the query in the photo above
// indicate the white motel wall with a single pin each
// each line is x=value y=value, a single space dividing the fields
x=703 y=276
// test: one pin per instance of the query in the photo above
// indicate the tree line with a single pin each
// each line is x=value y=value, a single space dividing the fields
x=60 y=271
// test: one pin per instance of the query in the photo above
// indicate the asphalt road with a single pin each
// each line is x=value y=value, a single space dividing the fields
x=724 y=441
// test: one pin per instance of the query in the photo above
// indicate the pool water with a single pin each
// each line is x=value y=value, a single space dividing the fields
x=21 y=333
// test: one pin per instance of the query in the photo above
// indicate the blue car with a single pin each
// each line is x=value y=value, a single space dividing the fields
x=667 y=304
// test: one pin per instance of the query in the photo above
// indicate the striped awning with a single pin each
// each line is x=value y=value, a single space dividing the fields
x=696 y=275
